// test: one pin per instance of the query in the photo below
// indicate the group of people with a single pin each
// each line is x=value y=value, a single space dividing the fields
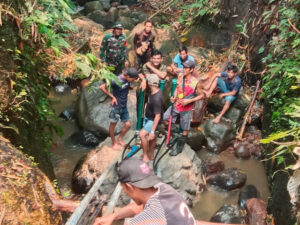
x=155 y=202
x=150 y=70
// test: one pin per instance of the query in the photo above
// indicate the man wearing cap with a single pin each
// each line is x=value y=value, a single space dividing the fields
x=184 y=97
x=113 y=49
x=119 y=109
x=154 y=202
x=152 y=118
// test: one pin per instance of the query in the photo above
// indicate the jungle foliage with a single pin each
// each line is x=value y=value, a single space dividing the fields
x=40 y=31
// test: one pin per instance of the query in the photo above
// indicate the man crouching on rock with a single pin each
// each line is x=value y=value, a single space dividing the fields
x=154 y=202
x=119 y=109
x=152 y=117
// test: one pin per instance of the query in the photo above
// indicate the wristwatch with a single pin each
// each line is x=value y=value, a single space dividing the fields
x=151 y=132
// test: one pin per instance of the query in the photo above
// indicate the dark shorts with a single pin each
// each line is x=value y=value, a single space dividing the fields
x=185 y=117
x=117 y=114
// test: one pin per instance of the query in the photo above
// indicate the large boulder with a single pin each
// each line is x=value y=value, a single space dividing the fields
x=105 y=4
x=25 y=190
x=90 y=7
x=183 y=172
x=228 y=214
x=127 y=22
x=93 y=110
x=228 y=179
x=196 y=139
x=113 y=13
x=103 y=18
x=218 y=135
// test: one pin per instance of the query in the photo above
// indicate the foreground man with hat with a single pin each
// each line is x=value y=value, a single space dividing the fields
x=155 y=203
x=113 y=49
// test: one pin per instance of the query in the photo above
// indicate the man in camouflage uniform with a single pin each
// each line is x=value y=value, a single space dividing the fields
x=113 y=50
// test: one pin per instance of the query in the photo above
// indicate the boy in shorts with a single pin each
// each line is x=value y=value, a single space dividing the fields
x=152 y=117
x=119 y=109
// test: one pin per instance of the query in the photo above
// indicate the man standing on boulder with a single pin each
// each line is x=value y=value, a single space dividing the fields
x=119 y=109
x=154 y=202
x=152 y=118
x=143 y=44
x=184 y=97
x=229 y=87
x=113 y=49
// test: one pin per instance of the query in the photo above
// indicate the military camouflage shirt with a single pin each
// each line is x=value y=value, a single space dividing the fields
x=113 y=49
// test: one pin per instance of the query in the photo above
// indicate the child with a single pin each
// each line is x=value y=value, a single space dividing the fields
x=119 y=109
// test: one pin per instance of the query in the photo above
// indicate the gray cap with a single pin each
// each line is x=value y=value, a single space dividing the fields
x=189 y=64
x=137 y=173
x=117 y=26
x=131 y=72
x=153 y=79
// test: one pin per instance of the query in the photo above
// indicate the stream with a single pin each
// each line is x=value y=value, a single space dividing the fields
x=66 y=155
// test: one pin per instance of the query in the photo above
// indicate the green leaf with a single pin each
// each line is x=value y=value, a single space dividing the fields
x=85 y=68
x=261 y=49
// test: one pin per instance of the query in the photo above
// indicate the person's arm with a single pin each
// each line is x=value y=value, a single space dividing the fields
x=189 y=101
x=129 y=210
x=143 y=81
x=155 y=123
x=104 y=89
x=160 y=74
x=124 y=52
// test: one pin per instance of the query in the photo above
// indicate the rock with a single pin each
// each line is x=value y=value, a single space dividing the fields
x=127 y=22
x=234 y=114
x=228 y=179
x=246 y=193
x=90 y=7
x=84 y=138
x=93 y=110
x=139 y=17
x=124 y=11
x=106 y=19
x=218 y=135
x=105 y=4
x=211 y=166
x=62 y=88
x=68 y=115
x=242 y=151
x=257 y=211
x=87 y=27
x=228 y=214
x=113 y=13
x=129 y=2
x=24 y=188
x=183 y=172
x=196 y=139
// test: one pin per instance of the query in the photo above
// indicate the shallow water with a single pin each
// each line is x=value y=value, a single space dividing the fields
x=65 y=158
x=211 y=199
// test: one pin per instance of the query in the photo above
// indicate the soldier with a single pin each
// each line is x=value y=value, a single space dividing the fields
x=113 y=50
